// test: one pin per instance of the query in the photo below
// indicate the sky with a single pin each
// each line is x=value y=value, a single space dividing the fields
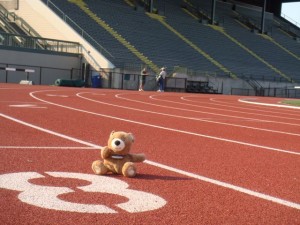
x=292 y=11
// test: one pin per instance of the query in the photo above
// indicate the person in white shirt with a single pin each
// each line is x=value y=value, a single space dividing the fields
x=161 y=79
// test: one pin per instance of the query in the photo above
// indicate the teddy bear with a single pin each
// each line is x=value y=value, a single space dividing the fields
x=116 y=156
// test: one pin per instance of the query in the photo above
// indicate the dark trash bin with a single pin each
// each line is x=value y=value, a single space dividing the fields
x=96 y=81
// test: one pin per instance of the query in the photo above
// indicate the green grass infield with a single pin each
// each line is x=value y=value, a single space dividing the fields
x=292 y=102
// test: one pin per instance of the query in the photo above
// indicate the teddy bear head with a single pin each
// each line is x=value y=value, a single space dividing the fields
x=120 y=142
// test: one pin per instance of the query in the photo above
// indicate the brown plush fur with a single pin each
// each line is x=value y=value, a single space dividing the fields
x=116 y=156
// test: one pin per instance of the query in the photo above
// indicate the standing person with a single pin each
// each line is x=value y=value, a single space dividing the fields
x=143 y=79
x=161 y=79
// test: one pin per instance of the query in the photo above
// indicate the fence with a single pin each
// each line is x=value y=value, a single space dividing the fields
x=131 y=81
x=127 y=81
x=12 y=73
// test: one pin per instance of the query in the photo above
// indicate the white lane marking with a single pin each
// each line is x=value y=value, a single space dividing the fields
x=169 y=129
x=45 y=147
x=28 y=106
x=228 y=110
x=48 y=196
x=172 y=169
x=189 y=118
x=98 y=94
x=227 y=185
x=61 y=96
x=268 y=104
x=49 y=131
x=23 y=105
x=223 y=115
x=232 y=105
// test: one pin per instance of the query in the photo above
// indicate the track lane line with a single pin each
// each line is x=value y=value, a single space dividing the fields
x=172 y=169
x=255 y=114
x=166 y=128
x=44 y=147
x=48 y=131
x=190 y=118
x=215 y=114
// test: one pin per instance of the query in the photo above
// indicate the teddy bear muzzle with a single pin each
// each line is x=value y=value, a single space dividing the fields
x=117 y=144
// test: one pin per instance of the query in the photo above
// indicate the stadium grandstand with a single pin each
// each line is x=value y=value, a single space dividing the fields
x=224 y=47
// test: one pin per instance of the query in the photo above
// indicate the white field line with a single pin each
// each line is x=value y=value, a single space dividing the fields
x=169 y=129
x=256 y=108
x=268 y=104
x=172 y=169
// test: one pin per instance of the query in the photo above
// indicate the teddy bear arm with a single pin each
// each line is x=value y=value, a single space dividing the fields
x=105 y=152
x=137 y=157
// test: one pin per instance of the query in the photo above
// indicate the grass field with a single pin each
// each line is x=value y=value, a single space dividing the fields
x=292 y=102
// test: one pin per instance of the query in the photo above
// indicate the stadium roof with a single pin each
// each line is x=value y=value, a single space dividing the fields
x=273 y=6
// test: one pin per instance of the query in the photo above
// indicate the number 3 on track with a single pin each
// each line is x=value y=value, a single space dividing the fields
x=47 y=196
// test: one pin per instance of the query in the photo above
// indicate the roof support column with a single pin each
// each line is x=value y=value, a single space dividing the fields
x=151 y=6
x=262 y=26
x=213 y=11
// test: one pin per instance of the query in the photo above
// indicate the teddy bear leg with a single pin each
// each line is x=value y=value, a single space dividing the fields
x=129 y=169
x=99 y=168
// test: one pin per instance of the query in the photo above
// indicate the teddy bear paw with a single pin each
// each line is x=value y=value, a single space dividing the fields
x=131 y=172
x=129 y=169
x=99 y=168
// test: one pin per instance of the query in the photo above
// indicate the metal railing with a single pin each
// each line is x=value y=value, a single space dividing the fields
x=12 y=17
x=80 y=30
x=12 y=4
x=38 y=43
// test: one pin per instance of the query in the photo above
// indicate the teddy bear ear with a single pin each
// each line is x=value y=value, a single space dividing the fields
x=132 y=137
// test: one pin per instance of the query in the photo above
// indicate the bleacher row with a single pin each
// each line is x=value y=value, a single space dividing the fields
x=178 y=39
x=261 y=59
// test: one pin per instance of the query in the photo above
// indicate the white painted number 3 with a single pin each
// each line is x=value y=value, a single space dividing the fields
x=47 y=196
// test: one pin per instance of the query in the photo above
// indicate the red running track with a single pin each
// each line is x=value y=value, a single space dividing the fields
x=211 y=159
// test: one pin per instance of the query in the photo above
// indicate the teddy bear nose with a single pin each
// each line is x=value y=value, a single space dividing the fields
x=117 y=143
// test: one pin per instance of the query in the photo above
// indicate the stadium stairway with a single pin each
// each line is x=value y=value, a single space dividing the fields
x=276 y=57
x=191 y=44
x=149 y=36
x=46 y=29
x=119 y=55
x=49 y=25
x=215 y=41
x=146 y=35
x=115 y=34
x=281 y=35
